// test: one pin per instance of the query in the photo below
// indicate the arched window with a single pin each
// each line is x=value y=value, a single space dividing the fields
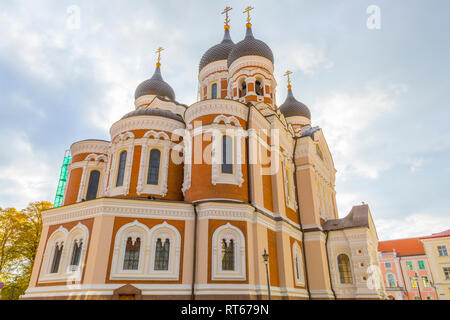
x=57 y=257
x=391 y=280
x=131 y=260
x=214 y=91
x=162 y=255
x=243 y=89
x=227 y=255
x=345 y=272
x=93 y=185
x=121 y=171
x=259 y=88
x=227 y=155
x=76 y=254
x=153 y=168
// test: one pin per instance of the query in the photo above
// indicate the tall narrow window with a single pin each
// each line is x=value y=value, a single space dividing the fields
x=162 y=255
x=227 y=155
x=153 y=168
x=297 y=268
x=345 y=272
x=76 y=254
x=121 y=172
x=228 y=255
x=259 y=88
x=243 y=90
x=131 y=260
x=93 y=185
x=391 y=280
x=57 y=257
x=214 y=91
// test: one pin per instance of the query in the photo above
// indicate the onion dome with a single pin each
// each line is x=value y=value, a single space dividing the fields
x=294 y=108
x=250 y=46
x=153 y=112
x=155 y=86
x=219 y=51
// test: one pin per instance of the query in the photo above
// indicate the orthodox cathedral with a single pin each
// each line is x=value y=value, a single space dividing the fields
x=232 y=197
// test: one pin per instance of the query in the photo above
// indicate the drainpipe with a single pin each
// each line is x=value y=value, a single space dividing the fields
x=194 y=268
x=328 y=264
x=300 y=221
x=404 y=282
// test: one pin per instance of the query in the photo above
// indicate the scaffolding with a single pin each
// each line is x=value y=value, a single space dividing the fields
x=62 y=179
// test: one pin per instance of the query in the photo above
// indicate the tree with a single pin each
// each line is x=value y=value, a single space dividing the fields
x=20 y=232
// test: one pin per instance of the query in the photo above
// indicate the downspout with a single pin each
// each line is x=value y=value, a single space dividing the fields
x=249 y=192
x=300 y=221
x=404 y=283
x=328 y=264
x=194 y=263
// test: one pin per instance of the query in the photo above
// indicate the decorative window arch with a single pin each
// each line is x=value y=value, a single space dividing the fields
x=94 y=181
x=297 y=257
x=54 y=252
x=289 y=185
x=344 y=267
x=121 y=169
x=242 y=88
x=153 y=167
x=165 y=246
x=259 y=87
x=77 y=241
x=228 y=253
x=129 y=258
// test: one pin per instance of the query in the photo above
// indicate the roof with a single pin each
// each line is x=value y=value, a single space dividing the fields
x=218 y=52
x=294 y=108
x=445 y=233
x=403 y=247
x=250 y=46
x=155 y=86
x=357 y=218
x=310 y=132
x=153 y=112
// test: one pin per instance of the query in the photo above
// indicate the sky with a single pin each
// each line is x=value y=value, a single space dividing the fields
x=374 y=74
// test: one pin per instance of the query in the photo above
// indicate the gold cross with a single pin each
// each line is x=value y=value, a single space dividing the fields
x=160 y=49
x=225 y=12
x=248 y=13
x=288 y=75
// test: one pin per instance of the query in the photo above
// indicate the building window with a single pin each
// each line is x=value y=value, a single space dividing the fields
x=76 y=254
x=446 y=272
x=132 y=251
x=298 y=264
x=214 y=91
x=243 y=89
x=442 y=251
x=409 y=265
x=153 y=168
x=228 y=255
x=121 y=171
x=345 y=272
x=413 y=281
x=391 y=280
x=426 y=282
x=421 y=265
x=387 y=265
x=94 y=180
x=259 y=88
x=57 y=257
x=162 y=255
x=227 y=155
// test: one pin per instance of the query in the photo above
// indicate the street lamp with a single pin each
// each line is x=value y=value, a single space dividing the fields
x=266 y=261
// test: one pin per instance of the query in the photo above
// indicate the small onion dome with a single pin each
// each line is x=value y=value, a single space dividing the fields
x=219 y=51
x=294 y=108
x=155 y=86
x=153 y=112
x=250 y=47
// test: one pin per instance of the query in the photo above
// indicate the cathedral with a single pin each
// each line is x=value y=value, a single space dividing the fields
x=232 y=197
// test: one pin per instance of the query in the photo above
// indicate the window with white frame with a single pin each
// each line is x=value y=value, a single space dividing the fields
x=289 y=186
x=446 y=271
x=442 y=250
x=165 y=242
x=228 y=253
x=390 y=279
x=298 y=264
x=344 y=267
x=214 y=89
x=94 y=180
x=121 y=169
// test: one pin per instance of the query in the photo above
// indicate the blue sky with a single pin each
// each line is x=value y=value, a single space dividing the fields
x=381 y=96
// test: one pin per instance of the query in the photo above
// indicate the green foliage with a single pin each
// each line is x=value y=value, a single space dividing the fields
x=20 y=232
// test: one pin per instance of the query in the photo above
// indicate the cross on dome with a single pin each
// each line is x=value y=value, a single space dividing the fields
x=288 y=75
x=227 y=19
x=247 y=10
x=160 y=49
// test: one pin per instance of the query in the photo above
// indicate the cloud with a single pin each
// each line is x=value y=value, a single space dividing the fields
x=414 y=225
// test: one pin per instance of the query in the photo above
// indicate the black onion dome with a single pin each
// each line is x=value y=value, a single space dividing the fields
x=218 y=52
x=153 y=112
x=250 y=46
x=294 y=108
x=155 y=86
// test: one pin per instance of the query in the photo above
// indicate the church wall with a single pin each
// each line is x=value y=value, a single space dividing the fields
x=39 y=256
x=73 y=186
x=272 y=250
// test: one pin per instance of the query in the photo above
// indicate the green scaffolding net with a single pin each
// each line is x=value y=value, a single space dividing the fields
x=62 y=180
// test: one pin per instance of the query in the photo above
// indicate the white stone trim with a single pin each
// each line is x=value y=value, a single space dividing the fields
x=297 y=259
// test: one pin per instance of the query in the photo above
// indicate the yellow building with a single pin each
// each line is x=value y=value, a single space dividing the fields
x=436 y=248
